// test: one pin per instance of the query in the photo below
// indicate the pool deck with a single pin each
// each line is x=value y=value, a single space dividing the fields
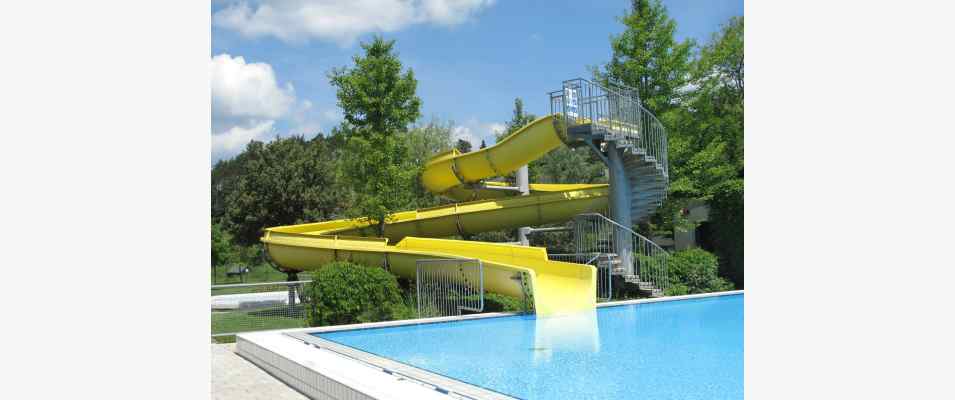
x=235 y=378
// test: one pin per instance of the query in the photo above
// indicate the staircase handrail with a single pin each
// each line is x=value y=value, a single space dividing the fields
x=625 y=229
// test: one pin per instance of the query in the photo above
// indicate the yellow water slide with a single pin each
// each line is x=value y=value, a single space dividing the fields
x=557 y=287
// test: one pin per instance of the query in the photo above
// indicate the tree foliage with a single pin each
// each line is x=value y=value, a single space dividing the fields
x=223 y=251
x=646 y=56
x=286 y=181
x=375 y=96
x=706 y=143
x=706 y=139
x=378 y=102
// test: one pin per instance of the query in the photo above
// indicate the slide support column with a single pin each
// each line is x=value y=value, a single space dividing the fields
x=620 y=207
x=523 y=183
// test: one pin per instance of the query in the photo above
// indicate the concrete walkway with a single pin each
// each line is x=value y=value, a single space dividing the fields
x=234 y=378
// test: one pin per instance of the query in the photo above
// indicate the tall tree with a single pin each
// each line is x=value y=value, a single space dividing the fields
x=379 y=103
x=706 y=147
x=483 y=145
x=646 y=56
x=375 y=96
x=706 y=135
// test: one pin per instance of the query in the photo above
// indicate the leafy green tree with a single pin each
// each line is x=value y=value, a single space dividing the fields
x=646 y=56
x=483 y=145
x=706 y=144
x=707 y=134
x=568 y=165
x=225 y=174
x=463 y=146
x=287 y=181
x=427 y=140
x=424 y=142
x=378 y=102
x=223 y=251
x=375 y=94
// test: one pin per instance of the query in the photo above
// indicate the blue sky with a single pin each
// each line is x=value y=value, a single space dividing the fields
x=471 y=57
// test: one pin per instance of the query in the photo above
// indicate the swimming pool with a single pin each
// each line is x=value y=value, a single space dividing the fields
x=686 y=349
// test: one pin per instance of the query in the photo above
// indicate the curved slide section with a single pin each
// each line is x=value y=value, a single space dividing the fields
x=557 y=287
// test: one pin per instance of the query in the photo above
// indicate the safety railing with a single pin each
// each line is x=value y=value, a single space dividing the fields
x=614 y=112
x=640 y=260
x=447 y=287
x=603 y=265
x=257 y=306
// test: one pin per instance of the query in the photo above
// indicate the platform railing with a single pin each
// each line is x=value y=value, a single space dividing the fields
x=447 y=287
x=615 y=112
x=604 y=274
x=595 y=233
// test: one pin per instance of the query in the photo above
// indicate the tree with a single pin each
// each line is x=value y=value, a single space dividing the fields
x=374 y=94
x=463 y=146
x=423 y=143
x=646 y=56
x=483 y=145
x=706 y=145
x=222 y=250
x=568 y=165
x=287 y=181
x=378 y=102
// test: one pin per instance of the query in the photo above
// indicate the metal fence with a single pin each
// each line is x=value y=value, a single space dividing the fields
x=257 y=306
x=644 y=265
x=615 y=112
x=598 y=260
x=446 y=287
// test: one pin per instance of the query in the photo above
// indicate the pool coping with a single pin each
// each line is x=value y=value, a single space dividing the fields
x=247 y=346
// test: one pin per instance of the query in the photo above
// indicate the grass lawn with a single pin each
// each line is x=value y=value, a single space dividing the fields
x=258 y=319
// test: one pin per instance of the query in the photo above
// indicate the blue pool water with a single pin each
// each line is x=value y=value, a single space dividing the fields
x=687 y=349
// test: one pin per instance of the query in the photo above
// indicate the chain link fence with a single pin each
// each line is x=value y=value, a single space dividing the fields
x=257 y=306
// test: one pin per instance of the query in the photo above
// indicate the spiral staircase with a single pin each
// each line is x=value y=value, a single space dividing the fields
x=612 y=122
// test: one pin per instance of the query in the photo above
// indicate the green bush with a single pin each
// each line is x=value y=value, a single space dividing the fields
x=695 y=271
x=494 y=302
x=346 y=293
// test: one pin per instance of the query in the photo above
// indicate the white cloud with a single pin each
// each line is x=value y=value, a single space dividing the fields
x=474 y=131
x=463 y=132
x=340 y=21
x=247 y=100
x=243 y=90
x=234 y=139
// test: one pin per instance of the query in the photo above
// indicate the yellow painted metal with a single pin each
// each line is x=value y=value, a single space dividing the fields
x=557 y=287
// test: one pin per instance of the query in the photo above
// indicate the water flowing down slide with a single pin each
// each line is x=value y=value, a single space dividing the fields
x=557 y=287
